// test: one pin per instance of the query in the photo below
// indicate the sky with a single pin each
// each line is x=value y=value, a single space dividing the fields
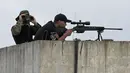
x=107 y=13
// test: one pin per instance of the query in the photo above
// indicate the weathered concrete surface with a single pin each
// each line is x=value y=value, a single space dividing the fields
x=38 y=57
x=20 y=58
x=104 y=57
x=58 y=57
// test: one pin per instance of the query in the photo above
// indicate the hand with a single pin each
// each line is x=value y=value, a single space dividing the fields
x=33 y=20
x=68 y=32
x=57 y=36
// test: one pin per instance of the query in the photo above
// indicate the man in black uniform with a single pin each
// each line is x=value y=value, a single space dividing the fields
x=22 y=31
x=54 y=30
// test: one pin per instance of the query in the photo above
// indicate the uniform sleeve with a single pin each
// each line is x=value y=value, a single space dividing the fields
x=35 y=28
x=16 y=29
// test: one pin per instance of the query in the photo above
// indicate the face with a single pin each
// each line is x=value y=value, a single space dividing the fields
x=25 y=17
x=61 y=24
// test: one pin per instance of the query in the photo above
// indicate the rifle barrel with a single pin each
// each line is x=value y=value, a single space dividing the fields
x=100 y=28
x=94 y=28
x=113 y=29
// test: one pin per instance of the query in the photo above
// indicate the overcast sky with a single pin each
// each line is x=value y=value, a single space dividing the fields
x=108 y=13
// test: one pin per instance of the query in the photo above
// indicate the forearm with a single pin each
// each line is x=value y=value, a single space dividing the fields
x=67 y=33
x=62 y=37
x=16 y=29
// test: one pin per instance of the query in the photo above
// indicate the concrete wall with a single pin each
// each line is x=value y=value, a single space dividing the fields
x=59 y=57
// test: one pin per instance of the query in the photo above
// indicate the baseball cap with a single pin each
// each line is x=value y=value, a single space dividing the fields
x=61 y=17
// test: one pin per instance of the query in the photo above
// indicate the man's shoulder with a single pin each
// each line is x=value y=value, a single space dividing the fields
x=49 y=24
